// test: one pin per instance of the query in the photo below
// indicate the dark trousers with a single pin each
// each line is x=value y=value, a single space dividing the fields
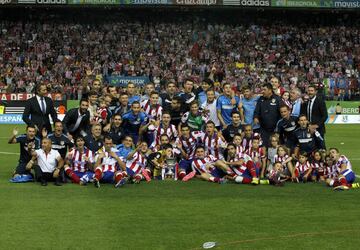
x=41 y=176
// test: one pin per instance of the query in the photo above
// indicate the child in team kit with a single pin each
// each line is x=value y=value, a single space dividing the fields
x=271 y=152
x=303 y=168
x=318 y=167
x=282 y=156
x=330 y=170
x=277 y=175
x=257 y=154
x=101 y=112
x=237 y=142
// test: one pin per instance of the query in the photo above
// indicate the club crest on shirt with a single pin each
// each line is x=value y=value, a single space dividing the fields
x=292 y=123
x=273 y=100
x=308 y=135
x=62 y=143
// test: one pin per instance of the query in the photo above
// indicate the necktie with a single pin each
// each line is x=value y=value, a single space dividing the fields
x=42 y=105
x=310 y=109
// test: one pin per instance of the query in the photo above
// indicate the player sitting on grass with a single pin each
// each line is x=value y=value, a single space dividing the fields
x=186 y=143
x=157 y=161
x=205 y=167
x=283 y=157
x=79 y=163
x=240 y=167
x=108 y=164
x=346 y=177
x=136 y=162
x=303 y=168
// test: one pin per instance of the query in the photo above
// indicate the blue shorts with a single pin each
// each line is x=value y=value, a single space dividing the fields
x=218 y=173
x=247 y=173
x=81 y=174
x=185 y=165
x=130 y=172
x=349 y=175
x=108 y=177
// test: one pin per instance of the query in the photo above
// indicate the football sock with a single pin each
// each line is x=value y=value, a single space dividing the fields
x=118 y=177
x=214 y=179
x=98 y=174
x=72 y=175
x=182 y=175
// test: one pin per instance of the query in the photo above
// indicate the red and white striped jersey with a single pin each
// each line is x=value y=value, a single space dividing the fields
x=189 y=144
x=246 y=143
x=317 y=165
x=239 y=150
x=77 y=159
x=302 y=168
x=239 y=170
x=281 y=159
x=137 y=162
x=213 y=145
x=108 y=163
x=253 y=153
x=170 y=131
x=331 y=171
x=154 y=113
x=343 y=160
x=199 y=165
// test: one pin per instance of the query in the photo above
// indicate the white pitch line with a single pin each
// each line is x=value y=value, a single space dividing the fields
x=9 y=153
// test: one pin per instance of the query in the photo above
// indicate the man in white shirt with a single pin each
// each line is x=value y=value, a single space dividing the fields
x=49 y=164
x=210 y=107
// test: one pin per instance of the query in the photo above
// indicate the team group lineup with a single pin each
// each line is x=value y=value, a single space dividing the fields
x=217 y=134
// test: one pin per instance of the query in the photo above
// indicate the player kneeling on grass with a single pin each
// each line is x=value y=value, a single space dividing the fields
x=346 y=177
x=136 y=162
x=79 y=163
x=49 y=164
x=303 y=168
x=206 y=167
x=108 y=167
x=240 y=167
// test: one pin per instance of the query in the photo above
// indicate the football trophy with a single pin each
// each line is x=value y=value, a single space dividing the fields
x=170 y=170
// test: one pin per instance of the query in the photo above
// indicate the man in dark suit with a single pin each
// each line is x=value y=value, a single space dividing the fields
x=315 y=110
x=38 y=109
x=77 y=120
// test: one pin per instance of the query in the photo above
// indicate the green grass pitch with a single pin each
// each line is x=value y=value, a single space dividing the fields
x=175 y=215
